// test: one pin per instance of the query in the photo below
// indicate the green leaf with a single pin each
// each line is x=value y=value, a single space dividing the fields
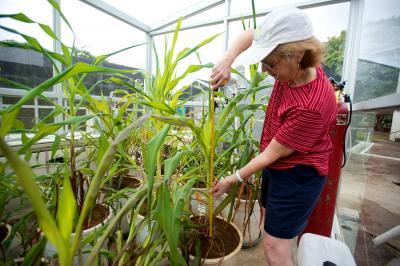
x=76 y=120
x=56 y=6
x=152 y=150
x=23 y=18
x=130 y=203
x=101 y=58
x=55 y=145
x=25 y=178
x=202 y=43
x=35 y=253
x=20 y=17
x=103 y=147
x=190 y=69
x=7 y=122
x=101 y=171
x=171 y=164
x=184 y=121
x=159 y=106
x=66 y=211
x=43 y=131
x=253 y=9
x=225 y=202
x=122 y=82
x=171 y=224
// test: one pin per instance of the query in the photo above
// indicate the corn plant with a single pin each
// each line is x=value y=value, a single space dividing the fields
x=71 y=76
x=163 y=88
x=247 y=145
x=60 y=235
x=169 y=224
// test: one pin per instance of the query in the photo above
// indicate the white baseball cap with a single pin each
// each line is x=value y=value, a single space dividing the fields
x=282 y=25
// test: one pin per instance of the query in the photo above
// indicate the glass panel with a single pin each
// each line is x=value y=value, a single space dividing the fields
x=362 y=127
x=189 y=39
x=14 y=99
x=379 y=57
x=106 y=88
x=82 y=126
x=103 y=34
x=374 y=80
x=46 y=103
x=27 y=116
x=211 y=14
x=113 y=36
x=367 y=202
x=240 y=7
x=27 y=67
x=327 y=21
x=37 y=10
x=43 y=112
x=151 y=11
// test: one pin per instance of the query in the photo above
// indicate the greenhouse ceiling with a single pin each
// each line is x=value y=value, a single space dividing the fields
x=156 y=17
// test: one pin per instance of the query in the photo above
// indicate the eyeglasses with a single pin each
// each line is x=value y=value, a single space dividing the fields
x=270 y=66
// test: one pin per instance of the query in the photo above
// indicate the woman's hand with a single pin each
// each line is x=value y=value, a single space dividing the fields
x=223 y=185
x=221 y=72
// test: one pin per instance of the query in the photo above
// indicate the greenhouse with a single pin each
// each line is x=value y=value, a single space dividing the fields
x=200 y=132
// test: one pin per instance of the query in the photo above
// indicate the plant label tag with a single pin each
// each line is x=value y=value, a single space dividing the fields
x=201 y=208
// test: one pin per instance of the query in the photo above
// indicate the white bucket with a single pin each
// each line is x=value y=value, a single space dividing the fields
x=50 y=249
x=252 y=232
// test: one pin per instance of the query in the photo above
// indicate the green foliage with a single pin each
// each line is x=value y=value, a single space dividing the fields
x=25 y=178
x=334 y=52
x=118 y=130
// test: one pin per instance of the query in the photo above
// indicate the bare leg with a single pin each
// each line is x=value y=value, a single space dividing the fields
x=277 y=250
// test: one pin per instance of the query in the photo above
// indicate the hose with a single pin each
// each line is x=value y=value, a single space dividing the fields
x=347 y=99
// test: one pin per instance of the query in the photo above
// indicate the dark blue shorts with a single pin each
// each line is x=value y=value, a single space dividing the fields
x=289 y=196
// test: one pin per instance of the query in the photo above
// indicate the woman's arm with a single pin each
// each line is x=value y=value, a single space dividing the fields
x=273 y=152
x=222 y=69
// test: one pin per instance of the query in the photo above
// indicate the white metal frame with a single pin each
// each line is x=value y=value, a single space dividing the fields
x=186 y=13
x=231 y=18
x=165 y=26
x=117 y=13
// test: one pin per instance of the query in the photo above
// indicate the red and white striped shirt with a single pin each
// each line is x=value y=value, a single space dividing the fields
x=299 y=118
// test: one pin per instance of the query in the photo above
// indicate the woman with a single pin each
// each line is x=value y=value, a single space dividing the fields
x=295 y=143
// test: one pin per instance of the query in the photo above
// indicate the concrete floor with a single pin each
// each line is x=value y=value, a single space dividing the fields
x=370 y=192
x=255 y=256
x=251 y=256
